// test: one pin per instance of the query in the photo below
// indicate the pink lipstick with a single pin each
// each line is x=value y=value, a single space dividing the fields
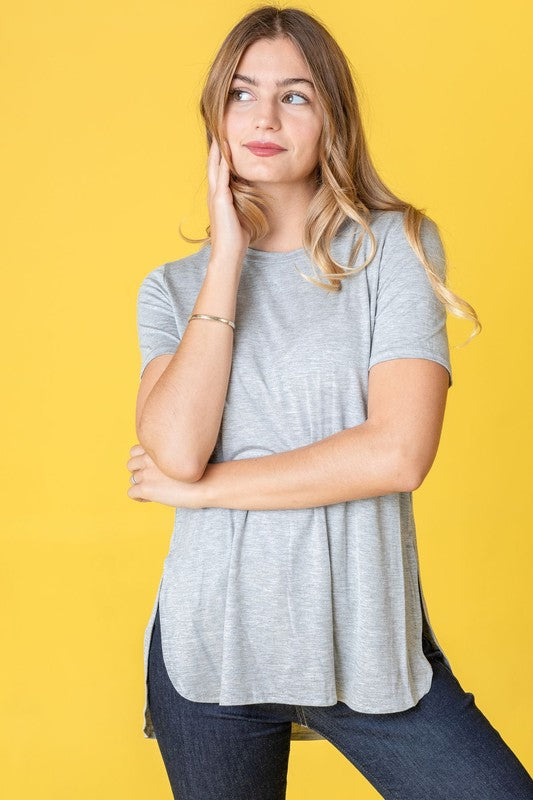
x=264 y=148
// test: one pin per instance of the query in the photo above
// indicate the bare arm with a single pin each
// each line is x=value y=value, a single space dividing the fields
x=350 y=464
x=179 y=421
x=179 y=418
x=392 y=451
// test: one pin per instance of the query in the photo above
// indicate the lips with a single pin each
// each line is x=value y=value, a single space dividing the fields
x=268 y=147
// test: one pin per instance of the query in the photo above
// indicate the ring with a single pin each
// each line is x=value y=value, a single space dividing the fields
x=132 y=479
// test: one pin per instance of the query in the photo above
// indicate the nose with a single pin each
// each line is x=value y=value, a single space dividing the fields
x=266 y=114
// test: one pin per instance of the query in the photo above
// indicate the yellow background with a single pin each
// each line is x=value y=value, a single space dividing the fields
x=104 y=154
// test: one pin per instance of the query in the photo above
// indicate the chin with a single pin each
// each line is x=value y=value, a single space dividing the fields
x=250 y=173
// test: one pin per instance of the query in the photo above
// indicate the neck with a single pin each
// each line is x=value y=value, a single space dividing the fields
x=288 y=207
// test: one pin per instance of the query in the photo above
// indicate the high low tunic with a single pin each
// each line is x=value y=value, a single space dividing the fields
x=314 y=605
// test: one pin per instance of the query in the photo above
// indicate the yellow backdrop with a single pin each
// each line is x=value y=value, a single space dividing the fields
x=104 y=154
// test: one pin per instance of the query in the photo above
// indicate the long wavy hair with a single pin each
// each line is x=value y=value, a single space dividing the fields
x=347 y=183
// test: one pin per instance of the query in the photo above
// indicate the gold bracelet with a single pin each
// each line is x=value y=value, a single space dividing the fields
x=209 y=316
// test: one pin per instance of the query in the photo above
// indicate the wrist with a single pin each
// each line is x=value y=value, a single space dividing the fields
x=219 y=269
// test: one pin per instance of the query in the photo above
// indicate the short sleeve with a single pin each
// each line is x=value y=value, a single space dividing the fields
x=156 y=321
x=410 y=320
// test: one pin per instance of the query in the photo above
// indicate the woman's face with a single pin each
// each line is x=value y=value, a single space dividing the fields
x=288 y=115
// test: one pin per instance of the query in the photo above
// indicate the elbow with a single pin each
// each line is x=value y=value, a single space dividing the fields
x=416 y=479
x=181 y=472
x=184 y=469
x=409 y=461
x=417 y=466
x=407 y=474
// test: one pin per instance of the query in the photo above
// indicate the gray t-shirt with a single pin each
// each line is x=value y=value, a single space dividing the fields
x=300 y=606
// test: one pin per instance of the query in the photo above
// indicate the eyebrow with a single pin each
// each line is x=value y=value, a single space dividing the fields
x=283 y=82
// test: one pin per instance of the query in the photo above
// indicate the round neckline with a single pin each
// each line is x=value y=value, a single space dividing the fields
x=267 y=256
x=273 y=255
x=270 y=256
x=282 y=256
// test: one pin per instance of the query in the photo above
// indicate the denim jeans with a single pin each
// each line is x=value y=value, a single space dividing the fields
x=442 y=748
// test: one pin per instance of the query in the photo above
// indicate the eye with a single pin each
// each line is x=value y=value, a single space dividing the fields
x=233 y=92
x=297 y=94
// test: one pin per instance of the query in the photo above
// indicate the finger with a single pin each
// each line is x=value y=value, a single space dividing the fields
x=225 y=158
x=223 y=175
x=136 y=449
x=132 y=495
x=137 y=462
x=212 y=165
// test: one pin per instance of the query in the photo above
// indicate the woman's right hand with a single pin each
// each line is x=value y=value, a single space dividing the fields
x=229 y=239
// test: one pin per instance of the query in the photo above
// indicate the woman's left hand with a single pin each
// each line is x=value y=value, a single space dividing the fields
x=152 y=485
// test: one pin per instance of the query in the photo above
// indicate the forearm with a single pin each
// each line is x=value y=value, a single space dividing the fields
x=351 y=464
x=182 y=414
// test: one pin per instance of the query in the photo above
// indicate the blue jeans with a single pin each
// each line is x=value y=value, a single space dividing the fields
x=442 y=748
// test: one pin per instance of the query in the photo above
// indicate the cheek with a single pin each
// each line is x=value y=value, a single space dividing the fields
x=232 y=119
x=234 y=133
x=308 y=132
x=308 y=149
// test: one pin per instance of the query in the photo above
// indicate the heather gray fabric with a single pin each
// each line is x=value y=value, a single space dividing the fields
x=299 y=606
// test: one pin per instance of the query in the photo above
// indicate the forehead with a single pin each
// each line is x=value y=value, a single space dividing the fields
x=268 y=61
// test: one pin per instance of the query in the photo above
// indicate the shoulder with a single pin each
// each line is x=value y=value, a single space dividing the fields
x=167 y=278
x=390 y=225
x=152 y=284
x=187 y=273
x=396 y=250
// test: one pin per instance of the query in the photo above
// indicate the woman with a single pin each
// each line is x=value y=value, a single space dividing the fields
x=288 y=419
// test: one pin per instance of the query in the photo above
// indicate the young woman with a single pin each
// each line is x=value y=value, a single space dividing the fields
x=288 y=416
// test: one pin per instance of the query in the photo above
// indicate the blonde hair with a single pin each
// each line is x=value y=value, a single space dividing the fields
x=347 y=184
